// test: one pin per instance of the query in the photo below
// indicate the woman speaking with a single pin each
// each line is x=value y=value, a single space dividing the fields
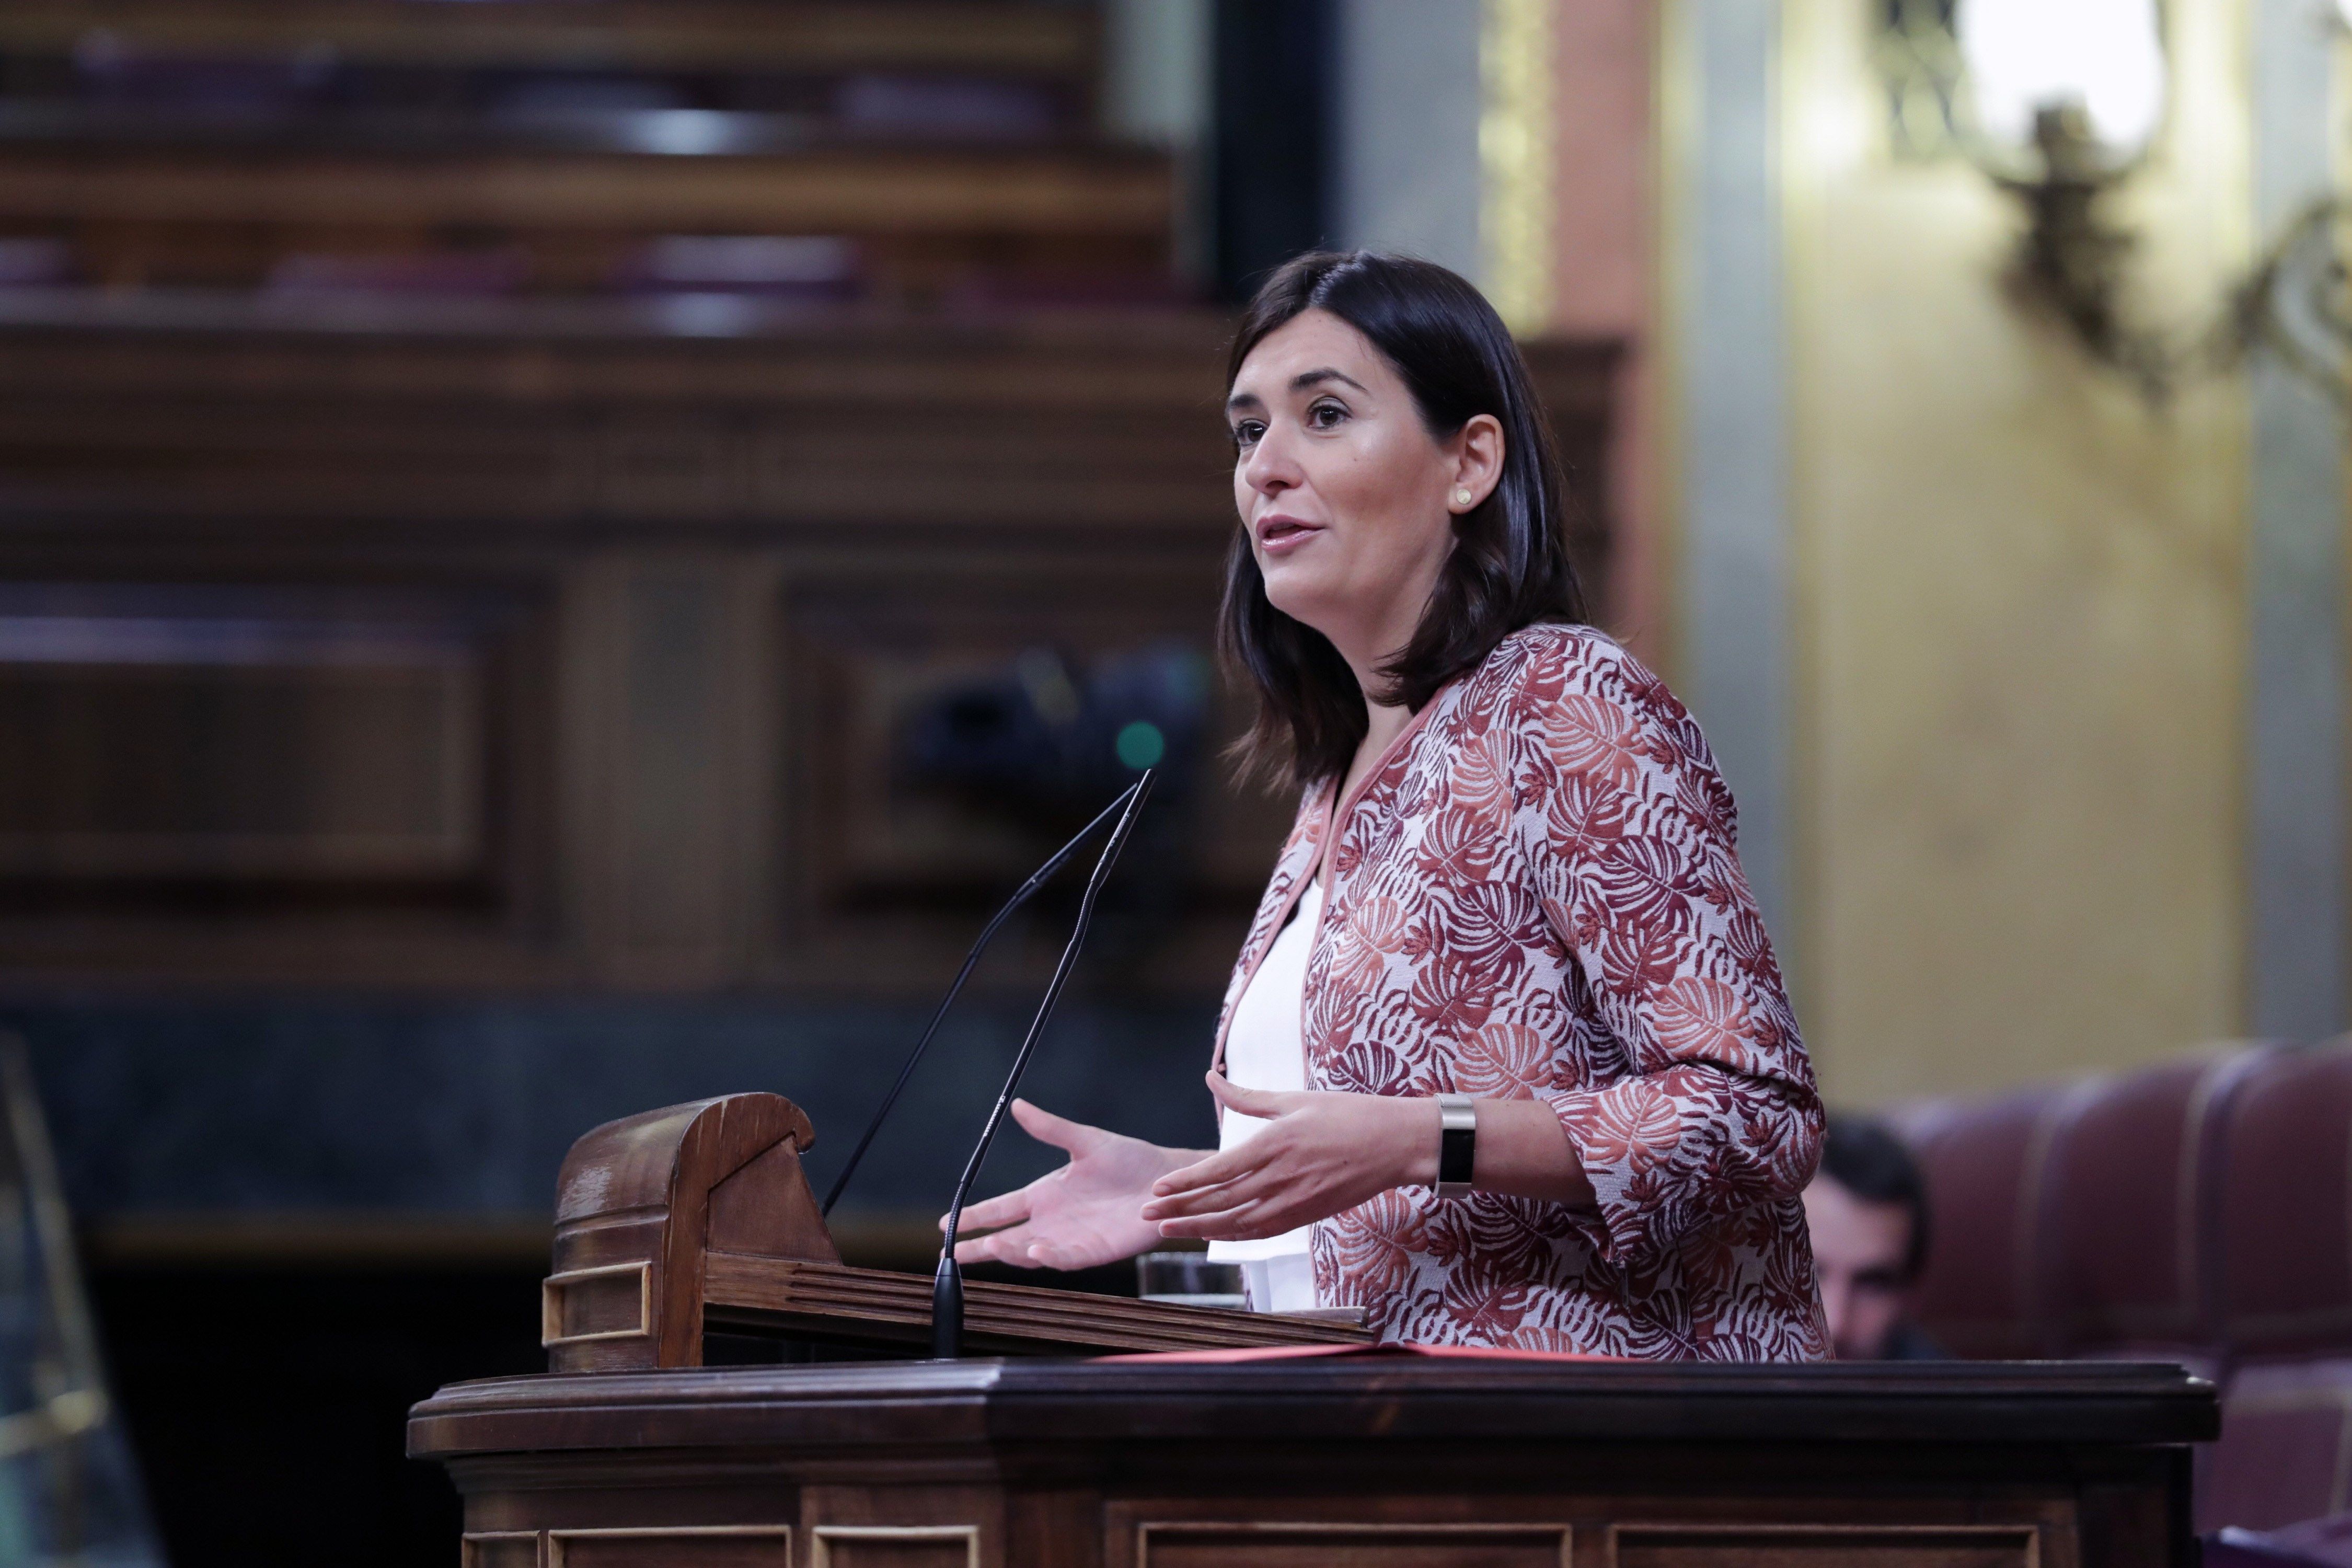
x=1505 y=1059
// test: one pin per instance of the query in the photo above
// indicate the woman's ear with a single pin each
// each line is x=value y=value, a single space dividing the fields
x=1477 y=461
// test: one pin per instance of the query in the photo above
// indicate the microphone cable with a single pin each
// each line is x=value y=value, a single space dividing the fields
x=1021 y=896
x=947 y=1285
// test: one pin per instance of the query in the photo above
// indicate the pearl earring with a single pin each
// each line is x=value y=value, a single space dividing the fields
x=1461 y=495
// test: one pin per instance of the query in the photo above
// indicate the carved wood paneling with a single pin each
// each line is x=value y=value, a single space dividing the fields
x=499 y=1549
x=1841 y=1465
x=188 y=739
x=680 y=1546
x=895 y=1546
x=923 y=1521
x=1245 y=1544
x=659 y=35
x=320 y=744
x=1824 y=1546
x=611 y=1301
x=1110 y=194
x=589 y=652
x=868 y=658
x=147 y=417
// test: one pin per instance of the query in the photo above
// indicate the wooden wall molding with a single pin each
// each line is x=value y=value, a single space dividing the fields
x=1107 y=193
x=693 y=589
x=895 y=1546
x=1708 y=1545
x=502 y=1549
x=733 y=35
x=1284 y=1543
x=671 y=1546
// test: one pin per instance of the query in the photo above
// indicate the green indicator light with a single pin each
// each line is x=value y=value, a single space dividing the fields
x=1141 y=745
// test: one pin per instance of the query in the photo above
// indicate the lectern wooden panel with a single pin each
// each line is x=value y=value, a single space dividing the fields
x=1392 y=1461
x=631 y=1455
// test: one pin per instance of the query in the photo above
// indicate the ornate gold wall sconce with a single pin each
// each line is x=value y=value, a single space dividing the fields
x=2298 y=303
x=1919 y=58
x=2072 y=261
x=2058 y=103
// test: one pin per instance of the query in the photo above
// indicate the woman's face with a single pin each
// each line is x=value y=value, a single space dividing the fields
x=1347 y=499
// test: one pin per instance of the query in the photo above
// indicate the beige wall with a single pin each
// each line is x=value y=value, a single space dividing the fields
x=2019 y=612
x=1603 y=265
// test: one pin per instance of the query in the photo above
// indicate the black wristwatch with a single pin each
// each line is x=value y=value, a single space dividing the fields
x=1458 y=1144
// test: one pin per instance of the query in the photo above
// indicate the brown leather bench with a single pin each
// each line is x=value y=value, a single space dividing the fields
x=2199 y=1211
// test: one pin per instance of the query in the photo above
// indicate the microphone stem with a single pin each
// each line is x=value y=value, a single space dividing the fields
x=1021 y=896
x=947 y=1286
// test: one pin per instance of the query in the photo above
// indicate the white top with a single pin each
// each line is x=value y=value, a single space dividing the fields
x=1265 y=1048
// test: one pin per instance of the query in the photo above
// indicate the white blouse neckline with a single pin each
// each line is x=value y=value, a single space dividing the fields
x=1265 y=1049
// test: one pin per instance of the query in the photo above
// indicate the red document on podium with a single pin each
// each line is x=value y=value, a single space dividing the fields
x=1304 y=1353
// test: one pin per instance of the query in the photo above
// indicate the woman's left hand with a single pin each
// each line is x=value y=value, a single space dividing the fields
x=1321 y=1153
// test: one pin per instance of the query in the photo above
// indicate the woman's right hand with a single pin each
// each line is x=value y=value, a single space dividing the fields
x=1087 y=1213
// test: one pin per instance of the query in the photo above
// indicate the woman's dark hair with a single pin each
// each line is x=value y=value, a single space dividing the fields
x=1509 y=567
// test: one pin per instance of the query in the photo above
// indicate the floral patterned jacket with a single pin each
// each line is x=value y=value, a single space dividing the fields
x=1535 y=894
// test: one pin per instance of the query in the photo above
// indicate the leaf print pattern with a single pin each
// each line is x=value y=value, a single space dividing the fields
x=1536 y=895
x=1504 y=1061
x=1599 y=739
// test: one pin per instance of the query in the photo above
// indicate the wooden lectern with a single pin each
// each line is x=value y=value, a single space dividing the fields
x=1347 y=1462
x=631 y=1455
x=698 y=1217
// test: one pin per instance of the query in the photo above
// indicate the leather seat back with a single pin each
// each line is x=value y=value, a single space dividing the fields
x=2128 y=1257
x=2283 y=1207
x=2283 y=1211
x=1983 y=1162
x=2202 y=1210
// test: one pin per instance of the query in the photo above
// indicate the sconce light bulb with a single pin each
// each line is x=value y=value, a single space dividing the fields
x=2102 y=57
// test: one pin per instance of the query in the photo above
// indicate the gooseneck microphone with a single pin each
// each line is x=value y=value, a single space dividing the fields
x=1021 y=896
x=947 y=1285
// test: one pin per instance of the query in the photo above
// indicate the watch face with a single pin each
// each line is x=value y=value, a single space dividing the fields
x=1456 y=1149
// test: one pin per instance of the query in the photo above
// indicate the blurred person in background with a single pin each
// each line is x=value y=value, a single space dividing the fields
x=1867 y=1207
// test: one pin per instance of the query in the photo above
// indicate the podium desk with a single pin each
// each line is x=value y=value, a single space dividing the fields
x=1383 y=1461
